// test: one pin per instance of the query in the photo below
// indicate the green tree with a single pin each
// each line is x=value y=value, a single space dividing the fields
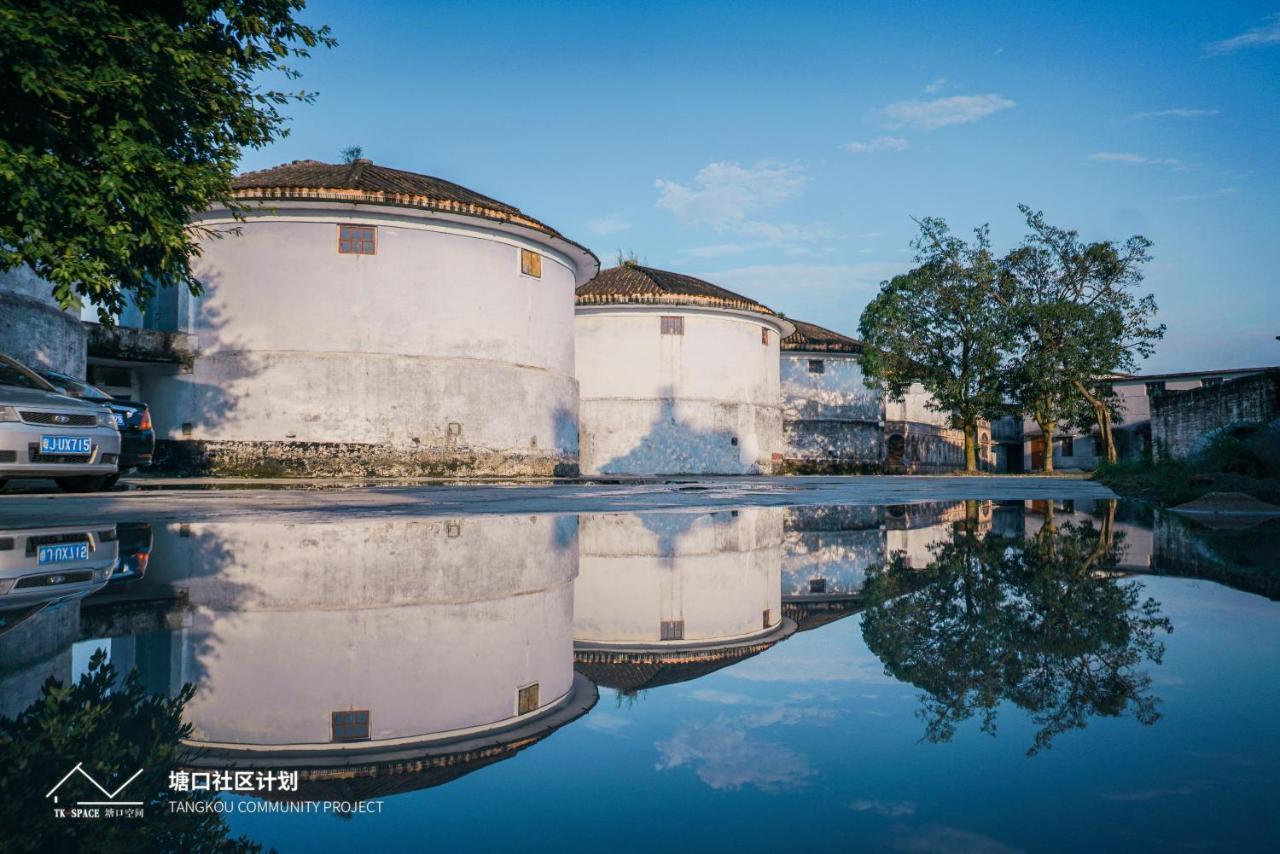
x=1079 y=320
x=118 y=119
x=940 y=326
x=111 y=727
x=1040 y=622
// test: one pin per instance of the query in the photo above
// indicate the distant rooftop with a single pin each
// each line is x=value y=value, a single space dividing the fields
x=632 y=283
x=811 y=337
x=1190 y=375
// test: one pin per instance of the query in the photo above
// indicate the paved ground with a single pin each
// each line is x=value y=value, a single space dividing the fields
x=192 y=500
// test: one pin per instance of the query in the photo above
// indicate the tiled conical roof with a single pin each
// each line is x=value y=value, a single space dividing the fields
x=632 y=283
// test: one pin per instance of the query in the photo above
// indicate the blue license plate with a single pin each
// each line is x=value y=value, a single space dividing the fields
x=78 y=446
x=62 y=553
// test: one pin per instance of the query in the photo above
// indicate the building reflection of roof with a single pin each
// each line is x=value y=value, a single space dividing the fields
x=635 y=667
x=812 y=612
x=370 y=769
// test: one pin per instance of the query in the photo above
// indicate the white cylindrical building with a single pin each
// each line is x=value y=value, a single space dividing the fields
x=367 y=320
x=678 y=376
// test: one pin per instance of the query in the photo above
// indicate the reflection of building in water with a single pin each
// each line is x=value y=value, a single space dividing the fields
x=666 y=597
x=35 y=645
x=826 y=554
x=391 y=654
x=912 y=529
x=1136 y=542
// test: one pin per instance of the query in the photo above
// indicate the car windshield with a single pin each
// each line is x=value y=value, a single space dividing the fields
x=75 y=387
x=14 y=374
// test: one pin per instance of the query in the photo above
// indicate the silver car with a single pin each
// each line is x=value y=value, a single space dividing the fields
x=45 y=565
x=46 y=434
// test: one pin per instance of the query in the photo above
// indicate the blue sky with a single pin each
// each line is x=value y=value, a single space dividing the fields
x=782 y=149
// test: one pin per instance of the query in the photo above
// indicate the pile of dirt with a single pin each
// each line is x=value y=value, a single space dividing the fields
x=1228 y=504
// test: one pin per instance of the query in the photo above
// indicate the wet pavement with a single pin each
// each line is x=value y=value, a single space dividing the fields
x=968 y=664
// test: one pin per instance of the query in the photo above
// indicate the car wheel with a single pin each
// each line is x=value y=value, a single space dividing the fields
x=111 y=481
x=85 y=483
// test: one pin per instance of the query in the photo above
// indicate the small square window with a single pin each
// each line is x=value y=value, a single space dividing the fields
x=350 y=726
x=530 y=263
x=817 y=366
x=673 y=326
x=527 y=699
x=672 y=630
x=357 y=240
x=764 y=336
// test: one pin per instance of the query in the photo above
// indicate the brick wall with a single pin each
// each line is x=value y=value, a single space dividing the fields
x=1180 y=418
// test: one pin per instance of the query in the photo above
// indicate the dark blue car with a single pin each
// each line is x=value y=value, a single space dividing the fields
x=137 y=437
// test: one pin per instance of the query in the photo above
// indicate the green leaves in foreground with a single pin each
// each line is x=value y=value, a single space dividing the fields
x=117 y=120
x=113 y=728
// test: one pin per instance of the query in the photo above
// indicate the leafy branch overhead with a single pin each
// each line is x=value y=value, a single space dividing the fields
x=118 y=120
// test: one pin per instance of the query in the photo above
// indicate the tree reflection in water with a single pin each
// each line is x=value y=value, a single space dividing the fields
x=1043 y=622
x=112 y=727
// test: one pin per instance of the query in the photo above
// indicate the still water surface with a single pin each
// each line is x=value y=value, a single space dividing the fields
x=970 y=676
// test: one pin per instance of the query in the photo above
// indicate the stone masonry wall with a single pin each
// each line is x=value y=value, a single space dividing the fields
x=1180 y=419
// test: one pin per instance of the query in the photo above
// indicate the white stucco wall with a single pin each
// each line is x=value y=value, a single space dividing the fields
x=299 y=343
x=915 y=407
x=832 y=415
x=834 y=544
x=718 y=572
x=673 y=404
x=291 y=622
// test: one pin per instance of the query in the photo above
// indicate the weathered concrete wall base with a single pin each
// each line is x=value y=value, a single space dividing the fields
x=345 y=459
x=822 y=446
x=643 y=437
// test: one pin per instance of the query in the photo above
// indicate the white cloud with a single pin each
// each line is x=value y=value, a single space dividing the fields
x=1220 y=193
x=607 y=225
x=1175 y=113
x=726 y=758
x=948 y=840
x=880 y=143
x=784 y=232
x=889 y=809
x=1259 y=36
x=941 y=112
x=779 y=279
x=938 y=85
x=1121 y=157
x=716 y=250
x=722 y=195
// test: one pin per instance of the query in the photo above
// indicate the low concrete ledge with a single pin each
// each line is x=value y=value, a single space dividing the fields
x=350 y=459
x=130 y=344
